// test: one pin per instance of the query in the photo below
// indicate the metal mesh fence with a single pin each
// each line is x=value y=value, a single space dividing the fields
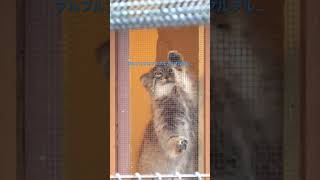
x=241 y=150
x=250 y=90
x=128 y=14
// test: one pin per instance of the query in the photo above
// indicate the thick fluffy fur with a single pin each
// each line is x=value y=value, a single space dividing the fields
x=170 y=140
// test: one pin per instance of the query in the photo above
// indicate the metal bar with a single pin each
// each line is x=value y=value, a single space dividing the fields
x=123 y=101
x=145 y=14
x=157 y=175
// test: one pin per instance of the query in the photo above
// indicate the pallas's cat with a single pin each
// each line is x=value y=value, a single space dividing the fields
x=170 y=139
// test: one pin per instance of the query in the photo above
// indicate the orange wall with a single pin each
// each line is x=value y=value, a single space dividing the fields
x=184 y=39
x=142 y=49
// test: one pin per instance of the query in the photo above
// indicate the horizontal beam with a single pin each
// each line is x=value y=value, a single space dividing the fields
x=152 y=14
x=160 y=176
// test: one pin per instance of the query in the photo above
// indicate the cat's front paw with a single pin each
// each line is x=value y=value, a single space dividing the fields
x=178 y=145
x=182 y=144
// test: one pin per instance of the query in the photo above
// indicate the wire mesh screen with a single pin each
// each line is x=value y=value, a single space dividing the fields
x=242 y=147
x=249 y=91
x=160 y=101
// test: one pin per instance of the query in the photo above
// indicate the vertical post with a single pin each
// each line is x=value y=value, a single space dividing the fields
x=207 y=100
x=113 y=104
x=311 y=123
x=123 y=91
x=201 y=100
x=43 y=92
x=292 y=91
x=8 y=108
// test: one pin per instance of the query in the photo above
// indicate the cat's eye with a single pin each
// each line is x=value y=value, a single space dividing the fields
x=157 y=74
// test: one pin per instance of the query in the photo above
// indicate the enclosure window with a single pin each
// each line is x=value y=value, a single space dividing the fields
x=133 y=54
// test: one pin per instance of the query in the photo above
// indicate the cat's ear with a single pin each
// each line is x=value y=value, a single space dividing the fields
x=146 y=80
